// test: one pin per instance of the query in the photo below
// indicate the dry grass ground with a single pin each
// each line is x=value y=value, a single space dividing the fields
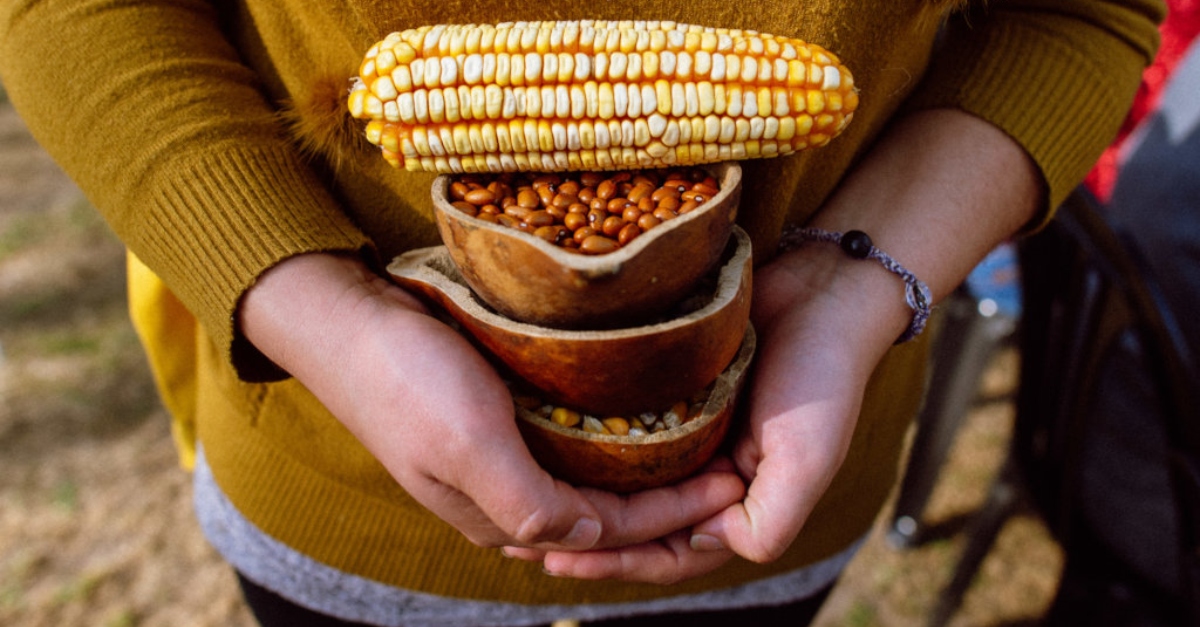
x=95 y=516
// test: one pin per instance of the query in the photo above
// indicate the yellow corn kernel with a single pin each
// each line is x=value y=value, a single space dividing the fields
x=565 y=417
x=616 y=425
x=595 y=94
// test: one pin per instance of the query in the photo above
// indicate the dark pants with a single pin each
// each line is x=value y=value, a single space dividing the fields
x=272 y=610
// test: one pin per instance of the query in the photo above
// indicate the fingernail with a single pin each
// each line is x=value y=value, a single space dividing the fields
x=584 y=535
x=504 y=552
x=549 y=573
x=704 y=543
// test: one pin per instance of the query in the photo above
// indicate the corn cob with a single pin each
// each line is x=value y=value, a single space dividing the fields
x=593 y=95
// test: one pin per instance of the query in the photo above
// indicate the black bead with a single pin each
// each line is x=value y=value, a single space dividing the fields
x=856 y=244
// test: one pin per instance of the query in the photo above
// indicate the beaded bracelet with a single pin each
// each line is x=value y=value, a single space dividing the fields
x=857 y=245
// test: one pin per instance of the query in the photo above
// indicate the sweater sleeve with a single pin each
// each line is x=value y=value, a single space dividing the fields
x=1057 y=75
x=147 y=107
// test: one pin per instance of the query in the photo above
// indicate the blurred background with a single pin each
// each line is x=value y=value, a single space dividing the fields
x=95 y=514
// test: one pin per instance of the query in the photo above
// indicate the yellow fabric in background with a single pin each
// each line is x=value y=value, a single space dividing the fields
x=167 y=331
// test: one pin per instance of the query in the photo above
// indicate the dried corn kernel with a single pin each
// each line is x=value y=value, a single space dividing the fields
x=640 y=425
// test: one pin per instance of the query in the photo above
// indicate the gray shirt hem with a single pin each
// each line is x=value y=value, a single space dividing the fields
x=317 y=586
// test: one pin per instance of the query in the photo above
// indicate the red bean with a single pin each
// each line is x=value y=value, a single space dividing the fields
x=480 y=196
x=627 y=233
x=598 y=245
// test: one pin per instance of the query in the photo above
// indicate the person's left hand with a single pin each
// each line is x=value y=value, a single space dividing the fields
x=938 y=191
x=805 y=393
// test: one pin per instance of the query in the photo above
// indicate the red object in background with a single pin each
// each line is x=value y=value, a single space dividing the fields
x=1178 y=30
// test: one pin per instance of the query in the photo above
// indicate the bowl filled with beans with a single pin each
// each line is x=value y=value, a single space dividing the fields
x=587 y=250
x=636 y=451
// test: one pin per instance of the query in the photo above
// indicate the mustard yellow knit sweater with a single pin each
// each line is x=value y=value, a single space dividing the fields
x=214 y=138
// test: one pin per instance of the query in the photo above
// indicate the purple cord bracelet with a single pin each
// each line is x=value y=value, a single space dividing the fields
x=857 y=245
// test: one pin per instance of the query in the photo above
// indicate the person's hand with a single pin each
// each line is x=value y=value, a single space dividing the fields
x=939 y=191
x=439 y=418
x=810 y=373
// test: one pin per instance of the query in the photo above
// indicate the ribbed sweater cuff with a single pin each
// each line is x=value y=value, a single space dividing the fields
x=1076 y=88
x=214 y=225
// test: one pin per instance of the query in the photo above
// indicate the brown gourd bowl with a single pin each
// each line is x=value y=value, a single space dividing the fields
x=610 y=371
x=621 y=463
x=528 y=279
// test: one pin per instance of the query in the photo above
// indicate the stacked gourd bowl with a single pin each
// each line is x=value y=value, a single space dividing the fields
x=655 y=331
x=588 y=192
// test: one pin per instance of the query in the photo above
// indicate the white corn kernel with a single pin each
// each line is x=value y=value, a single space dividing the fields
x=717 y=73
x=529 y=101
x=656 y=124
x=574 y=142
x=533 y=68
x=649 y=99
x=600 y=66
x=634 y=104
x=583 y=67
x=620 y=99
x=832 y=79
x=757 y=126
x=670 y=135
x=472 y=72
x=391 y=111
x=703 y=63
x=617 y=63
x=578 y=102
x=449 y=71
x=562 y=101
x=453 y=108
x=749 y=70
x=383 y=88
x=683 y=66
x=628 y=133
x=666 y=63
x=633 y=70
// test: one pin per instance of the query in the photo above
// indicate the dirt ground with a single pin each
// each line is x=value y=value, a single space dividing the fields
x=95 y=517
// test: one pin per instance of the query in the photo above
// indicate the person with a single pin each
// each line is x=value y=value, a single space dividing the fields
x=1117 y=574
x=356 y=460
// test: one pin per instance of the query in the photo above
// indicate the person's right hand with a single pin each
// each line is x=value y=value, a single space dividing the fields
x=440 y=419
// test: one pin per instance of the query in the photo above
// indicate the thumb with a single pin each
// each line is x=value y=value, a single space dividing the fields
x=528 y=505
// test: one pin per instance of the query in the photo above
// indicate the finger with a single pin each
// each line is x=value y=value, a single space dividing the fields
x=464 y=514
x=644 y=516
x=665 y=561
x=523 y=553
x=648 y=515
x=527 y=506
x=790 y=476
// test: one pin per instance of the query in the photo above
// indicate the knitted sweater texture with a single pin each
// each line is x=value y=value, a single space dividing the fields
x=214 y=138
